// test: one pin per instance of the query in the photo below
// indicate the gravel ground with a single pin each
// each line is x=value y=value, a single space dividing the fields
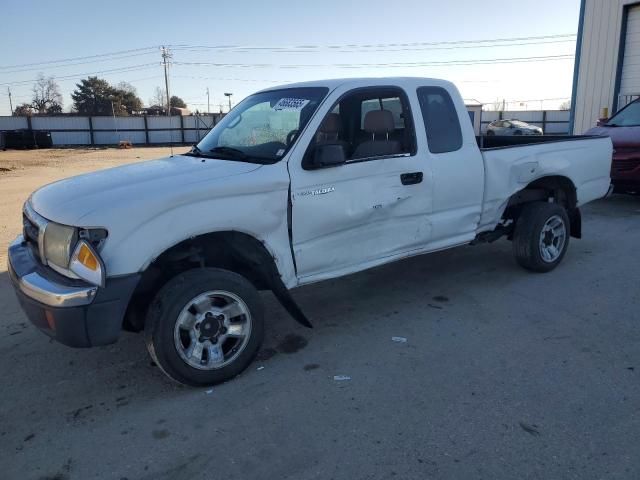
x=504 y=374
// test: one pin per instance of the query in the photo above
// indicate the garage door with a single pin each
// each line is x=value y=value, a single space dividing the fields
x=630 y=79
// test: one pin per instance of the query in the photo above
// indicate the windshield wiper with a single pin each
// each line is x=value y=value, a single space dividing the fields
x=231 y=152
x=195 y=152
x=611 y=125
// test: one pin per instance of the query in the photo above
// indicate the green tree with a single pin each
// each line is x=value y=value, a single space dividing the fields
x=177 y=102
x=92 y=96
x=95 y=96
x=125 y=102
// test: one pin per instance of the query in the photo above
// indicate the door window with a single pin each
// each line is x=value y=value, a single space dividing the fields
x=367 y=124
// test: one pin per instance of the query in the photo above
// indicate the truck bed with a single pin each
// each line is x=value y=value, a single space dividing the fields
x=580 y=158
x=506 y=141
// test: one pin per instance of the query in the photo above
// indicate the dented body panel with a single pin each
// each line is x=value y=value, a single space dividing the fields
x=149 y=207
x=585 y=162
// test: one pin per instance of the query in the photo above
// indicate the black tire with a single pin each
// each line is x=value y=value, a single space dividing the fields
x=173 y=298
x=528 y=229
x=490 y=133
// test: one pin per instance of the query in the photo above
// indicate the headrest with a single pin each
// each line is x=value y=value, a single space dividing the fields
x=330 y=124
x=379 y=122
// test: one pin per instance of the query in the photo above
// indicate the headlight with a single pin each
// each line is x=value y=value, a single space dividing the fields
x=58 y=241
x=86 y=264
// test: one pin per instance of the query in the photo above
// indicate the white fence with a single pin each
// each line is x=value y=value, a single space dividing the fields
x=110 y=130
x=552 y=122
x=190 y=129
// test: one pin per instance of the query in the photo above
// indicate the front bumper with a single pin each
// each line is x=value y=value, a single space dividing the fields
x=71 y=311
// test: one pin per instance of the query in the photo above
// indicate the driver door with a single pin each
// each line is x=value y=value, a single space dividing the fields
x=370 y=207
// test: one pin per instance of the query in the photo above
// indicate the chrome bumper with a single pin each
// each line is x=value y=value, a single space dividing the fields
x=41 y=289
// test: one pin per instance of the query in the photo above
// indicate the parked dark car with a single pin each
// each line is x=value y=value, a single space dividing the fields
x=512 y=127
x=624 y=130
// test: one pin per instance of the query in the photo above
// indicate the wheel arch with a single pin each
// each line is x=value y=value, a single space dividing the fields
x=231 y=250
x=552 y=188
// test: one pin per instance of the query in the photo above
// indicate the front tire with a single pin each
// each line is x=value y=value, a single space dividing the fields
x=541 y=236
x=204 y=326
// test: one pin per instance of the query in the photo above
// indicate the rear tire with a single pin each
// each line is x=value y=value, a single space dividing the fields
x=541 y=236
x=204 y=326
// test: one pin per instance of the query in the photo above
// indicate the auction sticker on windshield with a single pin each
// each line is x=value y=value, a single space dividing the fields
x=291 y=104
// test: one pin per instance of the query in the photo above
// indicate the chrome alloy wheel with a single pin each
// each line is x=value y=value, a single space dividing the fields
x=212 y=330
x=552 y=239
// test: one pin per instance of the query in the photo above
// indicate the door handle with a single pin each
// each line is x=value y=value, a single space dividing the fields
x=411 y=178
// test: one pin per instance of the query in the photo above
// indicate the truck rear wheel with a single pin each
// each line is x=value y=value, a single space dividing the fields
x=541 y=236
x=204 y=326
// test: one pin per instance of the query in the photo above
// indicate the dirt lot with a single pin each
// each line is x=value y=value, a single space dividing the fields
x=505 y=374
x=21 y=172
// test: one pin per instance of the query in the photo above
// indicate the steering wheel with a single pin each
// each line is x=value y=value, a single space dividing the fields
x=290 y=136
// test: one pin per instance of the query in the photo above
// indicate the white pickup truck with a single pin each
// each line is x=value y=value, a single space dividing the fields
x=297 y=184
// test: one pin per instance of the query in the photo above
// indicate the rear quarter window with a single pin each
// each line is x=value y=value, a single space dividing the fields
x=440 y=120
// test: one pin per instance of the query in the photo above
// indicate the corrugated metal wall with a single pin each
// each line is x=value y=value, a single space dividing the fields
x=110 y=131
x=630 y=77
x=598 y=60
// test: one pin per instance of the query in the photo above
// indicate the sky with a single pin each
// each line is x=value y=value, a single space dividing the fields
x=519 y=51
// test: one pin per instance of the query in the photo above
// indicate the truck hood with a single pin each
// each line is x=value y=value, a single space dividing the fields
x=75 y=200
x=620 y=136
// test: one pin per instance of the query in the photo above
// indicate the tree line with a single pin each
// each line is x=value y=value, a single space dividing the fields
x=92 y=96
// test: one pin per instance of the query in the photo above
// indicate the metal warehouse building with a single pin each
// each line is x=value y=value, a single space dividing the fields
x=607 y=68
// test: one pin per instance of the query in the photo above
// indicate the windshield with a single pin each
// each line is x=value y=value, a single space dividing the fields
x=518 y=123
x=263 y=126
x=627 y=117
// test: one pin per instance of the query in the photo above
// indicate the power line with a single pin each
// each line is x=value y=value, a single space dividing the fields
x=29 y=69
x=131 y=68
x=375 y=50
x=485 y=61
x=375 y=45
x=303 y=48
x=49 y=62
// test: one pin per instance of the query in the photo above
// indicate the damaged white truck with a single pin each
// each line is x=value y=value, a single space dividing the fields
x=297 y=184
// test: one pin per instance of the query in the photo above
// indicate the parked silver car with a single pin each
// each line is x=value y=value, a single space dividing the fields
x=512 y=127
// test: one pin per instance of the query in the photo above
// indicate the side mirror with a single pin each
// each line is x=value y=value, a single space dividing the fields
x=601 y=122
x=329 y=155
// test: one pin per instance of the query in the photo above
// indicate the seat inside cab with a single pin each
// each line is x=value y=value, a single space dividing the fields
x=368 y=123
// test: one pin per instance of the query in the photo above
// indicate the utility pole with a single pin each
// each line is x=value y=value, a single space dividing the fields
x=165 y=56
x=10 y=102
x=228 y=95
x=208 y=108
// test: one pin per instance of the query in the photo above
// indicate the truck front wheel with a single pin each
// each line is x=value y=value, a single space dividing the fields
x=541 y=236
x=204 y=326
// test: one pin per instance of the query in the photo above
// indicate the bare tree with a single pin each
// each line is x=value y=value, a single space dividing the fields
x=159 y=98
x=127 y=88
x=566 y=105
x=46 y=95
x=498 y=105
